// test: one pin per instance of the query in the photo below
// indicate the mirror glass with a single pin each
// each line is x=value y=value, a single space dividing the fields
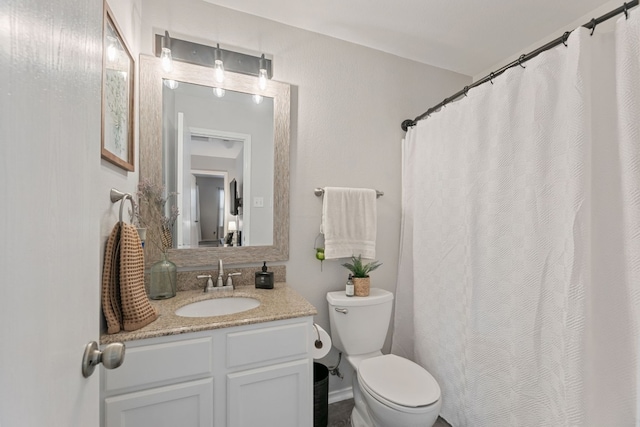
x=227 y=158
x=218 y=157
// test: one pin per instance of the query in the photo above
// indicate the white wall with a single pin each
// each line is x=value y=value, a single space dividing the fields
x=570 y=26
x=127 y=15
x=347 y=105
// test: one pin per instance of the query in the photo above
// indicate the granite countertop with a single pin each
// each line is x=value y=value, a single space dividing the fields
x=278 y=303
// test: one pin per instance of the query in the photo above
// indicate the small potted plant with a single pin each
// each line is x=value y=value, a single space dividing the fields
x=360 y=273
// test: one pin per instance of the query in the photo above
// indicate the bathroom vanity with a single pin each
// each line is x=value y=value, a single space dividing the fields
x=247 y=369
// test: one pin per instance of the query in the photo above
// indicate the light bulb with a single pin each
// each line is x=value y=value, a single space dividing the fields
x=218 y=69
x=262 y=73
x=167 y=61
x=262 y=79
x=171 y=84
x=218 y=66
x=257 y=99
x=218 y=92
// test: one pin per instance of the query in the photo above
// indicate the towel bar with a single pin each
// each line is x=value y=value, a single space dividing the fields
x=116 y=195
x=320 y=191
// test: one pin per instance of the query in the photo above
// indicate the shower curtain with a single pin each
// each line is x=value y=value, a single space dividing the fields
x=519 y=275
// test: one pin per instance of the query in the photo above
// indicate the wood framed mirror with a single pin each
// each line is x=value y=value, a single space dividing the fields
x=153 y=157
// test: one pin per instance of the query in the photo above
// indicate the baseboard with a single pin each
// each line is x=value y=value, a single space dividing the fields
x=339 y=395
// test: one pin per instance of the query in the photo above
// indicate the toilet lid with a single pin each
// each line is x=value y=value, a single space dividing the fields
x=398 y=380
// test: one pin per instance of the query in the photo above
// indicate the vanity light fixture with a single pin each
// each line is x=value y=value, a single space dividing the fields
x=165 y=55
x=218 y=92
x=221 y=60
x=218 y=65
x=262 y=73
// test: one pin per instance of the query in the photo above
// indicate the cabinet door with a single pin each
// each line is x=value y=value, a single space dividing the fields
x=185 y=405
x=274 y=396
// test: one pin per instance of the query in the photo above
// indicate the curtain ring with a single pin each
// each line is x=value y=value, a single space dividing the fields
x=565 y=37
x=593 y=23
x=626 y=11
x=520 y=60
x=466 y=90
x=491 y=75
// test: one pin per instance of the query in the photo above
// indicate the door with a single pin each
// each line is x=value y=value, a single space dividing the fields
x=182 y=230
x=278 y=396
x=196 y=235
x=186 y=404
x=49 y=215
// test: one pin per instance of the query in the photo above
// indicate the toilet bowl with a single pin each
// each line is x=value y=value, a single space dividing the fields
x=389 y=391
x=398 y=392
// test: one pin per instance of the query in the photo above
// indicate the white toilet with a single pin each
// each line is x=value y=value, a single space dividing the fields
x=389 y=391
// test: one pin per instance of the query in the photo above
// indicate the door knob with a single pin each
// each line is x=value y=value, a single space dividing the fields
x=111 y=357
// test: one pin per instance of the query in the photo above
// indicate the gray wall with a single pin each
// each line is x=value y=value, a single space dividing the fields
x=209 y=206
x=347 y=105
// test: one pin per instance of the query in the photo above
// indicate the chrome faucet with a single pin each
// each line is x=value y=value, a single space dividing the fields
x=230 y=280
x=220 y=274
x=208 y=287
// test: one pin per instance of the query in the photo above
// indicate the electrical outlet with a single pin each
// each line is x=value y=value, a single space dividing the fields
x=258 y=202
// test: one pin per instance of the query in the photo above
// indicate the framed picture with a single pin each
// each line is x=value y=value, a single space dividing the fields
x=118 y=75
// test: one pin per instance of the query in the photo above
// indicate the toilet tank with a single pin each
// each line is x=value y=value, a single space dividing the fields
x=359 y=324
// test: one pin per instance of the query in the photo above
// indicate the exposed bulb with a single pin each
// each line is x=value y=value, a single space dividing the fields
x=257 y=98
x=218 y=92
x=218 y=69
x=262 y=79
x=167 y=61
x=171 y=84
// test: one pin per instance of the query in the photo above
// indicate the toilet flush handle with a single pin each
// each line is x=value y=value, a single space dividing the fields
x=342 y=310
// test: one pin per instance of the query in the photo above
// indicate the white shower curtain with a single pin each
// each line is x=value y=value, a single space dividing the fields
x=519 y=277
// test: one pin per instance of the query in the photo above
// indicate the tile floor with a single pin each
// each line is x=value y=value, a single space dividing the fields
x=340 y=414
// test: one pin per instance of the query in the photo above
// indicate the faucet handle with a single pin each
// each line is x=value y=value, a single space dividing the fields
x=209 y=286
x=230 y=280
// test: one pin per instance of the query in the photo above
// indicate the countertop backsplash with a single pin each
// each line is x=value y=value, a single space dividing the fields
x=188 y=280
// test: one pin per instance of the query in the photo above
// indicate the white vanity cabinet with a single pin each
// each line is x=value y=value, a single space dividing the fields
x=242 y=376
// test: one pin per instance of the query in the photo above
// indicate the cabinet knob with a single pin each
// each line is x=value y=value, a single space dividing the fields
x=111 y=357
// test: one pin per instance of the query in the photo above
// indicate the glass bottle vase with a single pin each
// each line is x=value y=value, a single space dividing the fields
x=162 y=283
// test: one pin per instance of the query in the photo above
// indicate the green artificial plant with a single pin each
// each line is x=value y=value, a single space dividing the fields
x=358 y=269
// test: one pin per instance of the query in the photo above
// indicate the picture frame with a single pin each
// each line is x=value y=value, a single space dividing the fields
x=118 y=79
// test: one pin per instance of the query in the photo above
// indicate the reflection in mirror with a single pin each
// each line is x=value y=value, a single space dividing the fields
x=211 y=145
x=213 y=141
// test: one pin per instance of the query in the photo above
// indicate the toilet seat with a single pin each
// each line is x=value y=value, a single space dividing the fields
x=398 y=383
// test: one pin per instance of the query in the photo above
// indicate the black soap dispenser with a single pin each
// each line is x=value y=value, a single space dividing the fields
x=264 y=278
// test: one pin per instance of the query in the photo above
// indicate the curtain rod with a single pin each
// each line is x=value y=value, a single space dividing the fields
x=523 y=58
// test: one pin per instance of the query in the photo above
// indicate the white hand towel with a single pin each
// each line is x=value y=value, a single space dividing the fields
x=349 y=222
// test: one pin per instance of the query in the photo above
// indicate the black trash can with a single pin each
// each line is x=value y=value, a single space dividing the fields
x=320 y=395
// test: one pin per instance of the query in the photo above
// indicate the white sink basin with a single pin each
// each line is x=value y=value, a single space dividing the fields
x=217 y=307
